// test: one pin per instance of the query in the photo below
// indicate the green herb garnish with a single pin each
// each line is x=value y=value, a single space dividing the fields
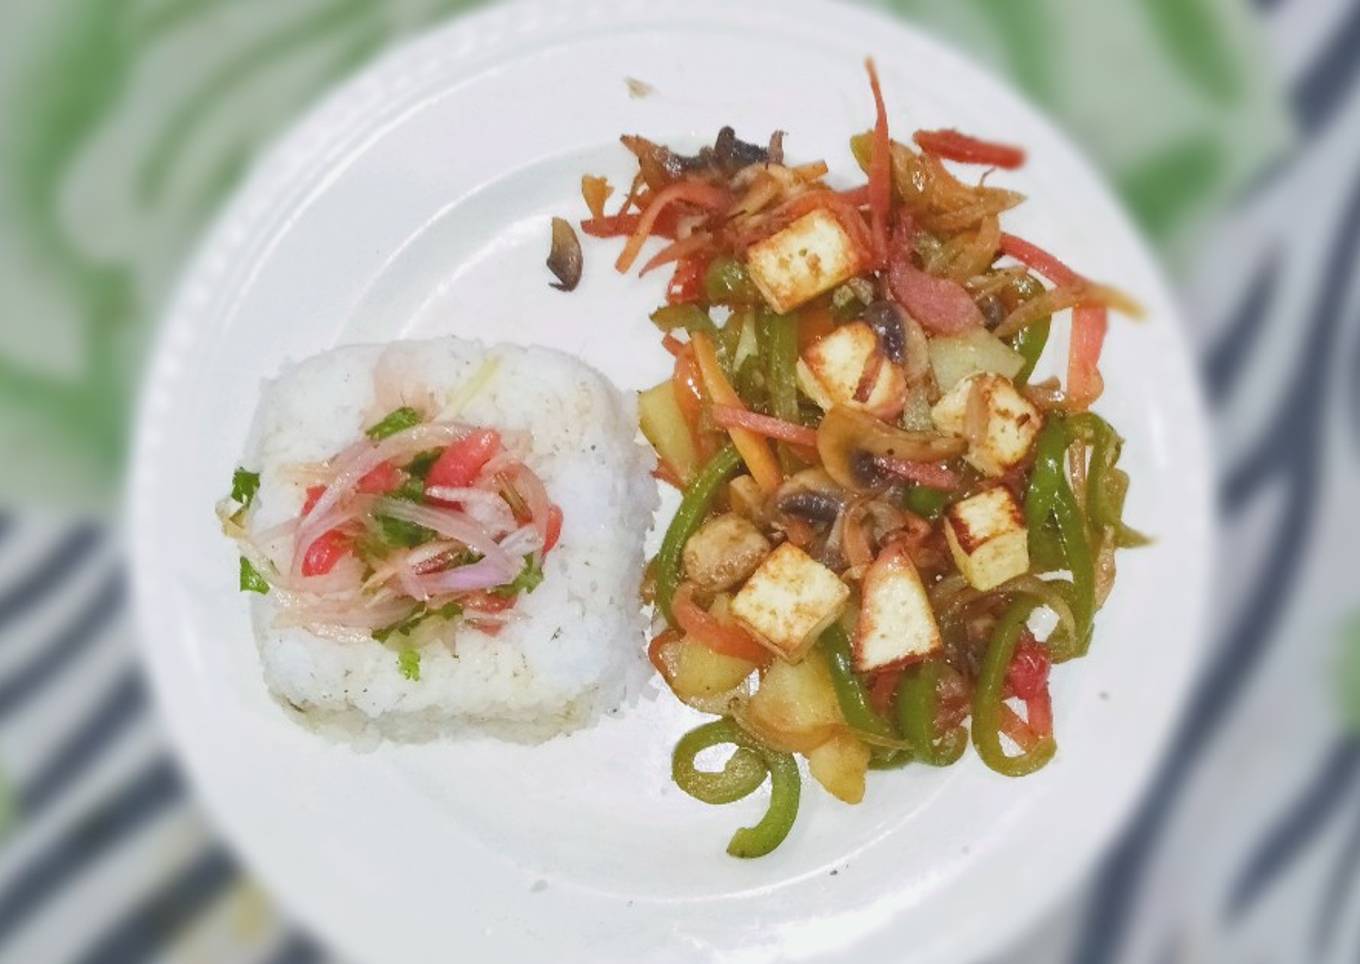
x=420 y=465
x=527 y=581
x=409 y=662
x=244 y=485
x=251 y=580
x=398 y=533
x=415 y=618
x=399 y=420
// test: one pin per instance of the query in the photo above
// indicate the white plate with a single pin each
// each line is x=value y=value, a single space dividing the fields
x=414 y=203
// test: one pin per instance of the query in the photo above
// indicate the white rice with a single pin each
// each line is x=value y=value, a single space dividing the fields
x=574 y=647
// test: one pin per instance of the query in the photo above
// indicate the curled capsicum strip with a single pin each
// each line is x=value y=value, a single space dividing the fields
x=694 y=506
x=744 y=772
x=917 y=716
x=854 y=699
x=741 y=775
x=988 y=696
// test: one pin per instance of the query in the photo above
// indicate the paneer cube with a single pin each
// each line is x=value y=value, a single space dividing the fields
x=789 y=600
x=1011 y=426
x=987 y=537
x=745 y=497
x=830 y=371
x=725 y=550
x=794 y=265
x=896 y=624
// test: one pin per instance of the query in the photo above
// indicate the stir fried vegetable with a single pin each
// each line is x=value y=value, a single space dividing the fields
x=879 y=488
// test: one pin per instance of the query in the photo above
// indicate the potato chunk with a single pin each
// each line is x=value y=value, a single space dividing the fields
x=796 y=264
x=725 y=550
x=987 y=537
x=840 y=765
x=789 y=600
x=795 y=705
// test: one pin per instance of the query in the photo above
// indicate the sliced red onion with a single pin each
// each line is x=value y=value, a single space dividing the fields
x=454 y=525
x=487 y=508
x=535 y=497
x=523 y=541
x=357 y=461
x=479 y=575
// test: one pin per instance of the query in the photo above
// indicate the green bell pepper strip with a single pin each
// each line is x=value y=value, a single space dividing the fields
x=694 y=505
x=1106 y=485
x=917 y=705
x=1076 y=543
x=1045 y=550
x=987 y=698
x=690 y=317
x=785 y=790
x=781 y=377
x=741 y=775
x=726 y=282
x=834 y=644
x=1030 y=342
x=926 y=502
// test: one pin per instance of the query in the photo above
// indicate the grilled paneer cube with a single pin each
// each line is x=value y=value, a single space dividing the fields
x=796 y=264
x=1011 y=425
x=789 y=600
x=896 y=624
x=830 y=371
x=725 y=550
x=987 y=536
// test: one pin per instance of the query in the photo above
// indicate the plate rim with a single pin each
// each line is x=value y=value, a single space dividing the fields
x=271 y=192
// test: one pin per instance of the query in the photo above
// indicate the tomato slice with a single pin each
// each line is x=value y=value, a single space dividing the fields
x=485 y=602
x=380 y=480
x=554 y=528
x=461 y=463
x=314 y=494
x=325 y=552
x=1028 y=672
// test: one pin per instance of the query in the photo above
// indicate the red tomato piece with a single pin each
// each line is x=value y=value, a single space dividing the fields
x=485 y=602
x=325 y=552
x=314 y=493
x=380 y=480
x=1028 y=672
x=459 y=464
x=554 y=528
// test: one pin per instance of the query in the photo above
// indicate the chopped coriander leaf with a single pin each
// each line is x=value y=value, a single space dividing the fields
x=251 y=580
x=412 y=489
x=408 y=660
x=421 y=464
x=398 y=420
x=400 y=533
x=417 y=616
x=527 y=581
x=244 y=485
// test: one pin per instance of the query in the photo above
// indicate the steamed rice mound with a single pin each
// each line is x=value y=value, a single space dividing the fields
x=574 y=647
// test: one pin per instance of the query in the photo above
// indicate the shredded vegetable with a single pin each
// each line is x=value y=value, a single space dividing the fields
x=881 y=482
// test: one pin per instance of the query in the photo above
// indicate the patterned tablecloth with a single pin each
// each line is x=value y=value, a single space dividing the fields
x=1233 y=131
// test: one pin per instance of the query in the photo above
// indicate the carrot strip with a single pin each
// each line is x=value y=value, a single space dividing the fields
x=692 y=192
x=755 y=451
x=729 y=639
x=729 y=417
x=954 y=146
